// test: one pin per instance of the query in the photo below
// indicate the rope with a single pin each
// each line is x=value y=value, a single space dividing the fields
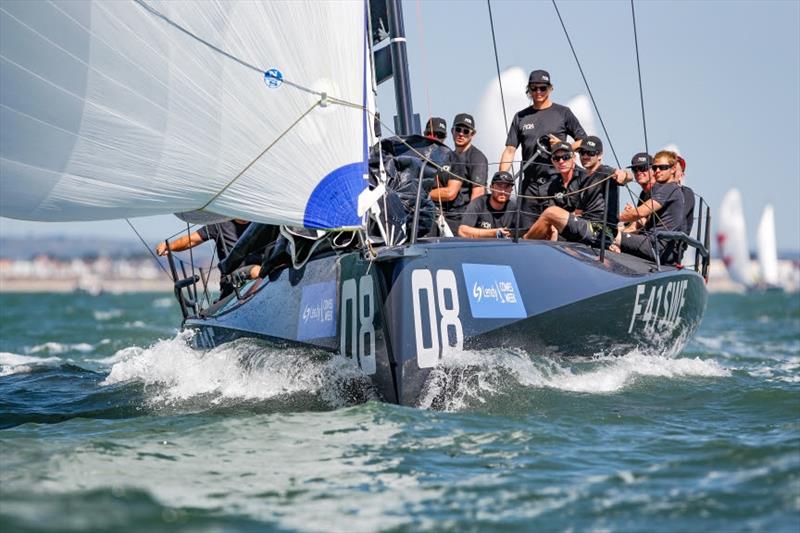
x=267 y=149
x=586 y=83
x=156 y=13
x=423 y=55
x=497 y=65
x=639 y=70
x=147 y=247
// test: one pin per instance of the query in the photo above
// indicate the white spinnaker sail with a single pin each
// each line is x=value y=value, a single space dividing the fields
x=109 y=110
x=767 y=247
x=732 y=238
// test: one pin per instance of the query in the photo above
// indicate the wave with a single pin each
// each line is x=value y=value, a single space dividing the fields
x=11 y=363
x=107 y=315
x=60 y=348
x=466 y=378
x=243 y=370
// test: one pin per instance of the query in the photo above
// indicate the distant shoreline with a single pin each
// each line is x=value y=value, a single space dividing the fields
x=29 y=285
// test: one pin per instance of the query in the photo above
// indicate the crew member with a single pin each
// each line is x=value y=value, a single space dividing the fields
x=225 y=235
x=436 y=129
x=542 y=118
x=576 y=212
x=662 y=211
x=493 y=215
x=591 y=154
x=454 y=194
x=688 y=195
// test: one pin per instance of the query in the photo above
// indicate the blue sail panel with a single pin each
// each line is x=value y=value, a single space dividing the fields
x=334 y=201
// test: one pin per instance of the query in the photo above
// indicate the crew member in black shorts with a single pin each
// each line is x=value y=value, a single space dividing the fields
x=591 y=154
x=455 y=194
x=579 y=203
x=493 y=215
x=542 y=118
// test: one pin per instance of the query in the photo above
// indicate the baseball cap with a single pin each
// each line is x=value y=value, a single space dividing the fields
x=561 y=147
x=592 y=143
x=642 y=158
x=682 y=161
x=436 y=125
x=503 y=177
x=539 y=76
x=464 y=119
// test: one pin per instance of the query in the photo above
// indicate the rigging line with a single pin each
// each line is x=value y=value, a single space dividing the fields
x=156 y=13
x=421 y=23
x=497 y=65
x=267 y=149
x=147 y=247
x=639 y=70
x=586 y=82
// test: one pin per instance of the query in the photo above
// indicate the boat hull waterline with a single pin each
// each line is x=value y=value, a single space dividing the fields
x=399 y=315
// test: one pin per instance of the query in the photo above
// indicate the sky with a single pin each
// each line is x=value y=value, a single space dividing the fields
x=721 y=81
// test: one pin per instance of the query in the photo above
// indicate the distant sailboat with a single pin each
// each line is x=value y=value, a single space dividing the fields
x=732 y=239
x=767 y=249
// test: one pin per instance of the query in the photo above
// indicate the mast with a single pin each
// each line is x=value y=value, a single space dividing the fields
x=402 y=85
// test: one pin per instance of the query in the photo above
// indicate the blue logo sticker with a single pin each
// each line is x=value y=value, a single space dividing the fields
x=273 y=78
x=317 y=311
x=493 y=291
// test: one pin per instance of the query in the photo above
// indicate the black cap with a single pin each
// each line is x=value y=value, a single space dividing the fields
x=464 y=119
x=539 y=76
x=592 y=144
x=642 y=158
x=503 y=177
x=560 y=147
x=436 y=125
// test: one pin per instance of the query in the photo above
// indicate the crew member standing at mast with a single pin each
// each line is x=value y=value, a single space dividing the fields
x=455 y=194
x=542 y=118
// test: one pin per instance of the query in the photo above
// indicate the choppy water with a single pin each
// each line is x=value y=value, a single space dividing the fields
x=109 y=421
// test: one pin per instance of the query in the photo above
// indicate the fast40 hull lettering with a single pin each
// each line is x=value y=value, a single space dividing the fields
x=399 y=315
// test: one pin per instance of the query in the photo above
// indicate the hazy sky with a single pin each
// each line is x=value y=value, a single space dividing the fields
x=721 y=81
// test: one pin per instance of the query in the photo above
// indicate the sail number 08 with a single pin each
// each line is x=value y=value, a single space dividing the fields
x=428 y=353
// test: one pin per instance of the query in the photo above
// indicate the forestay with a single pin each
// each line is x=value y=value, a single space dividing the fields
x=110 y=111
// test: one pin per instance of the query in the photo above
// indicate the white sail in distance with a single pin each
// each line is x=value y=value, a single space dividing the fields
x=767 y=248
x=732 y=238
x=136 y=108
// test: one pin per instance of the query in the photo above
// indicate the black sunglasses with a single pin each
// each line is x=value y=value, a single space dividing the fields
x=462 y=131
x=538 y=88
x=661 y=167
x=565 y=157
x=438 y=135
x=590 y=153
x=640 y=168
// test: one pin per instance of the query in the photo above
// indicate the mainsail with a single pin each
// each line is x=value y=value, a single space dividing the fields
x=767 y=248
x=732 y=238
x=254 y=110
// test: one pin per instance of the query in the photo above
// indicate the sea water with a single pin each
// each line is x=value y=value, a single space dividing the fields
x=109 y=421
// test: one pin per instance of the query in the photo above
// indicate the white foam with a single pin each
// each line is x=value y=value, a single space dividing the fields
x=107 y=315
x=11 y=363
x=163 y=302
x=466 y=377
x=59 y=348
x=239 y=370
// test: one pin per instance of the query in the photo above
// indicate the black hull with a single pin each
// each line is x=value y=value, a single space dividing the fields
x=398 y=315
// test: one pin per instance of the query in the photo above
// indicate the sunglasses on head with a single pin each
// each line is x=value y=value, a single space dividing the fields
x=462 y=131
x=640 y=168
x=661 y=167
x=538 y=88
x=565 y=157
